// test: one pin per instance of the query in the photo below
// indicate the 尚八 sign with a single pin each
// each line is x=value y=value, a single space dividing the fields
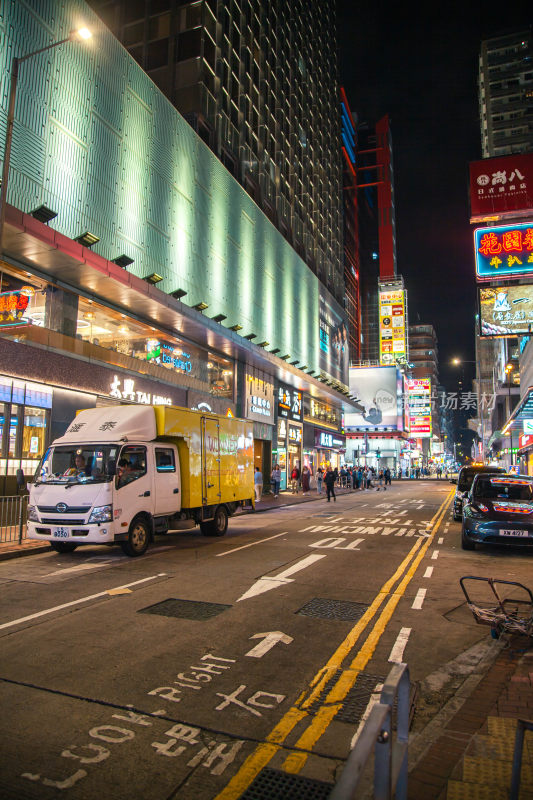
x=503 y=251
x=392 y=338
x=506 y=310
x=500 y=187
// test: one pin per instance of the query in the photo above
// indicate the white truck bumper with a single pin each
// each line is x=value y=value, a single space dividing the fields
x=79 y=534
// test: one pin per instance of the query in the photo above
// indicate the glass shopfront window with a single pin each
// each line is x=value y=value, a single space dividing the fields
x=33 y=432
x=25 y=307
x=24 y=423
x=321 y=413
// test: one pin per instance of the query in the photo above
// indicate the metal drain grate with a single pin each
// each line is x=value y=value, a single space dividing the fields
x=273 y=784
x=333 y=609
x=185 y=609
x=358 y=697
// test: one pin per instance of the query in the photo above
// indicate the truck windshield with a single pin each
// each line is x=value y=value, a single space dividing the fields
x=73 y=464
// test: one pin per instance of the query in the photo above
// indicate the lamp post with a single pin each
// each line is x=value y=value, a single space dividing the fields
x=509 y=371
x=81 y=33
x=460 y=362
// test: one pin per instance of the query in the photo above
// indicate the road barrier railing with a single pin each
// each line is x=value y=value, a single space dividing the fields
x=390 y=752
x=13 y=518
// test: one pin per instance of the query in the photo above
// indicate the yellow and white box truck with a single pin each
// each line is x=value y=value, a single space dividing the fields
x=124 y=473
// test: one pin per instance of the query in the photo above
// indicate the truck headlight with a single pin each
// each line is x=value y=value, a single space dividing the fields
x=101 y=514
x=32 y=514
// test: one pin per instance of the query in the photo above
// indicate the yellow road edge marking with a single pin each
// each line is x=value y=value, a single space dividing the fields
x=346 y=680
x=265 y=752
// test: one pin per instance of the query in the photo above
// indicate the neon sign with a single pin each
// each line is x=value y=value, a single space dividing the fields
x=12 y=307
x=505 y=250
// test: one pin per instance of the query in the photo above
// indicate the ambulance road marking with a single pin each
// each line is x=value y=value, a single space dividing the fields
x=79 y=600
x=419 y=599
x=396 y=654
x=274 y=741
x=265 y=584
x=252 y=544
x=270 y=639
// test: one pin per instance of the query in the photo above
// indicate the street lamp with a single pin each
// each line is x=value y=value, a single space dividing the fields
x=459 y=362
x=80 y=34
x=509 y=371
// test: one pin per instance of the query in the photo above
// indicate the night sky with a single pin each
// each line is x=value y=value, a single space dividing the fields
x=422 y=71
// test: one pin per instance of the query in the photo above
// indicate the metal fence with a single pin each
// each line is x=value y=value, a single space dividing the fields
x=379 y=738
x=13 y=518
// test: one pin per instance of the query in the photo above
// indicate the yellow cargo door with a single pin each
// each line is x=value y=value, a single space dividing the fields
x=210 y=461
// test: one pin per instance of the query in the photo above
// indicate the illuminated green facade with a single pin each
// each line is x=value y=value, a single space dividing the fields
x=98 y=143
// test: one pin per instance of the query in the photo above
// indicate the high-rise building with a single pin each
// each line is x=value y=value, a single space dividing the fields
x=257 y=80
x=352 y=303
x=506 y=94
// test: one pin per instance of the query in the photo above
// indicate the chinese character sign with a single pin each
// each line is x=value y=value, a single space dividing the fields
x=499 y=187
x=12 y=308
x=506 y=310
x=506 y=250
x=392 y=339
x=419 y=407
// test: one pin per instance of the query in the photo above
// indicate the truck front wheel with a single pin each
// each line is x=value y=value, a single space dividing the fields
x=218 y=525
x=138 y=538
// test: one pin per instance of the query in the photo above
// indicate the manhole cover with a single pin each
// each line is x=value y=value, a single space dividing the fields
x=185 y=609
x=358 y=698
x=273 y=784
x=333 y=609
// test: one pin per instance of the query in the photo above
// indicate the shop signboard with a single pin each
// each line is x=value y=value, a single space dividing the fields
x=527 y=425
x=13 y=306
x=418 y=392
x=290 y=403
x=504 y=251
x=392 y=326
x=334 y=357
x=501 y=187
x=506 y=310
x=525 y=440
x=378 y=390
x=329 y=441
x=259 y=399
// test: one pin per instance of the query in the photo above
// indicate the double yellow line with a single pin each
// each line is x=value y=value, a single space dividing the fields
x=332 y=703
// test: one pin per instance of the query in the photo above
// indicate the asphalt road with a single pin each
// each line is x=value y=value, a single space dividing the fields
x=209 y=663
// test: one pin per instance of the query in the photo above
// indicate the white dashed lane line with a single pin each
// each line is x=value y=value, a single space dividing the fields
x=419 y=599
x=428 y=573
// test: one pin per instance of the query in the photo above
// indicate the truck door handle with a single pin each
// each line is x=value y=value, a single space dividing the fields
x=146 y=493
x=176 y=491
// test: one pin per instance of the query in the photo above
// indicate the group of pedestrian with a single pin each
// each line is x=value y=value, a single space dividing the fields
x=356 y=477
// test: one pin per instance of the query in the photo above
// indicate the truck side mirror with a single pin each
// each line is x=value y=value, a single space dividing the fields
x=111 y=467
x=21 y=480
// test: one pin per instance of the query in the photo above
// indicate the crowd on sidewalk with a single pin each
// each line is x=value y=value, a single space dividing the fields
x=326 y=480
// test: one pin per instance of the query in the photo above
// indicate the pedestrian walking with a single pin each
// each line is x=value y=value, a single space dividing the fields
x=258 y=484
x=330 y=480
x=319 y=479
x=275 y=479
x=306 y=479
x=295 y=477
x=388 y=476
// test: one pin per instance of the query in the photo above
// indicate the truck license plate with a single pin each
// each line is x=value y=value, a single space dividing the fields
x=513 y=533
x=60 y=533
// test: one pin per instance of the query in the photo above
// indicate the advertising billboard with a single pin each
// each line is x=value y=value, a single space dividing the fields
x=501 y=187
x=334 y=357
x=418 y=404
x=378 y=390
x=289 y=403
x=504 y=251
x=506 y=310
x=392 y=333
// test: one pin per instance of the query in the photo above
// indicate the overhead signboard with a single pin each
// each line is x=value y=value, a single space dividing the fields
x=504 y=251
x=289 y=403
x=418 y=392
x=392 y=326
x=501 y=187
x=506 y=310
x=378 y=391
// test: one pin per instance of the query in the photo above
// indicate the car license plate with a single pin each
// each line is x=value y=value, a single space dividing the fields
x=507 y=532
x=60 y=533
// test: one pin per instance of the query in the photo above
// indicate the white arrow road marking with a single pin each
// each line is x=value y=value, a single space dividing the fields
x=80 y=600
x=264 y=584
x=270 y=639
